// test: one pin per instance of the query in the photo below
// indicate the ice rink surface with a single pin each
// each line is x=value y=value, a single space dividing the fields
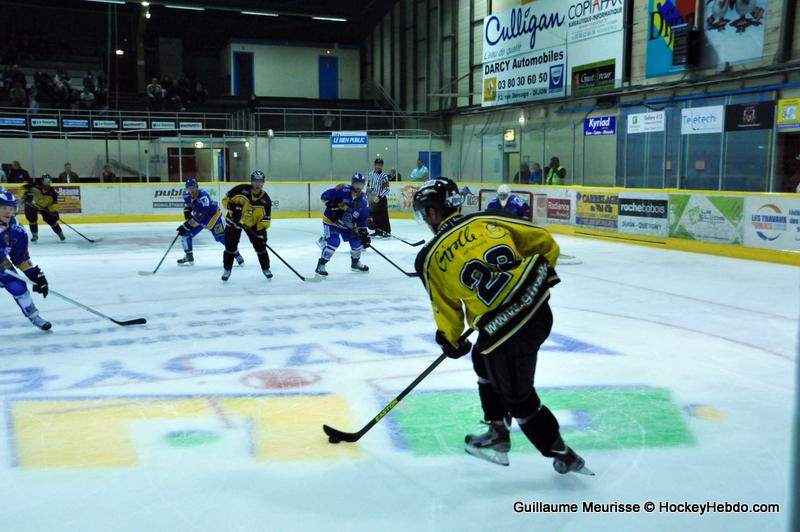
x=671 y=373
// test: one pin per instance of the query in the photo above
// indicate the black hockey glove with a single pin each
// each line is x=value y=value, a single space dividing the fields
x=28 y=197
x=262 y=234
x=337 y=210
x=236 y=212
x=363 y=234
x=187 y=213
x=39 y=280
x=184 y=228
x=56 y=216
x=464 y=347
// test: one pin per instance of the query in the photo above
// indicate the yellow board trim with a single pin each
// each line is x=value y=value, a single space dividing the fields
x=791 y=258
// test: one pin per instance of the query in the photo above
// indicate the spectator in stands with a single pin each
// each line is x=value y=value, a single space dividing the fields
x=537 y=175
x=420 y=173
x=174 y=95
x=108 y=176
x=394 y=176
x=87 y=98
x=556 y=174
x=200 y=93
x=524 y=174
x=68 y=176
x=19 y=98
x=63 y=89
x=155 y=94
x=5 y=80
x=89 y=81
x=33 y=102
x=3 y=177
x=18 y=76
x=18 y=174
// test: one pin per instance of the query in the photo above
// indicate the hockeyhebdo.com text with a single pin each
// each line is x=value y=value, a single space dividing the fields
x=661 y=507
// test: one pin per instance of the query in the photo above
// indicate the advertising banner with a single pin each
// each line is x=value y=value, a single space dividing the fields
x=642 y=213
x=594 y=77
x=104 y=124
x=162 y=125
x=743 y=117
x=787 y=113
x=44 y=122
x=349 y=139
x=69 y=199
x=733 y=32
x=13 y=122
x=600 y=125
x=772 y=222
x=81 y=124
x=597 y=209
x=646 y=122
x=525 y=50
x=700 y=120
x=707 y=218
x=191 y=126
x=134 y=124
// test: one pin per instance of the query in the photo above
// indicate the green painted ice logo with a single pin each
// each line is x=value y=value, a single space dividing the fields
x=434 y=423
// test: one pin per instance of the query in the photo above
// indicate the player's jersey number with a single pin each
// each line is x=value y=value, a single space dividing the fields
x=476 y=274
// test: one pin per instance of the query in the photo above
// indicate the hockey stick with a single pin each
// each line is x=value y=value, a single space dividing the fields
x=79 y=233
x=162 y=258
x=253 y=235
x=31 y=205
x=123 y=323
x=413 y=244
x=305 y=279
x=335 y=436
x=387 y=259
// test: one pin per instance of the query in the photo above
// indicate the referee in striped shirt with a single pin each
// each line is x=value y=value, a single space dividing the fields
x=377 y=192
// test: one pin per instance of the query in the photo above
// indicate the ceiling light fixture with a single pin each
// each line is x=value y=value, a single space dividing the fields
x=107 y=1
x=188 y=8
x=145 y=4
x=120 y=51
x=147 y=14
x=331 y=19
x=258 y=13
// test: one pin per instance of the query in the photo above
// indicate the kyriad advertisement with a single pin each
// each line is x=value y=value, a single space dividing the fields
x=772 y=222
x=642 y=213
x=541 y=49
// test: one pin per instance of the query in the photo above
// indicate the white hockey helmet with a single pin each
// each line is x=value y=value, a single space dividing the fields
x=503 y=192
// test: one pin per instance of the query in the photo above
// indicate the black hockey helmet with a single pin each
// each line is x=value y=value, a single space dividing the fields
x=440 y=194
x=46 y=179
x=257 y=175
x=378 y=160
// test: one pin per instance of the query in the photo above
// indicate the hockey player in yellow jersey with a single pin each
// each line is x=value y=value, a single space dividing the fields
x=41 y=199
x=249 y=210
x=495 y=272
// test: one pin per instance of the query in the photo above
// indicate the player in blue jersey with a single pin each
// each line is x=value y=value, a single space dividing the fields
x=509 y=204
x=200 y=211
x=14 y=246
x=345 y=218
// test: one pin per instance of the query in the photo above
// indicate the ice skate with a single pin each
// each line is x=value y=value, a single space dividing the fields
x=356 y=266
x=187 y=260
x=493 y=445
x=39 y=321
x=567 y=461
x=226 y=274
x=321 y=271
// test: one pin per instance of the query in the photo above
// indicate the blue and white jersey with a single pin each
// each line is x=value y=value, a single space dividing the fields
x=356 y=210
x=14 y=246
x=515 y=206
x=205 y=211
